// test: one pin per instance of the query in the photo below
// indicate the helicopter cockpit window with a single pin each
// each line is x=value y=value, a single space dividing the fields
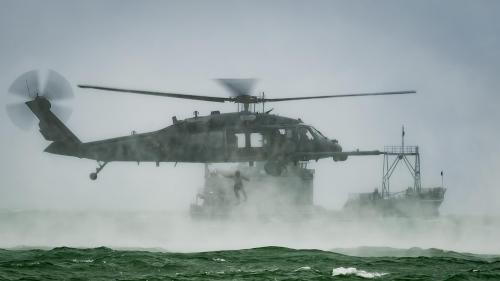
x=309 y=135
x=316 y=132
x=305 y=134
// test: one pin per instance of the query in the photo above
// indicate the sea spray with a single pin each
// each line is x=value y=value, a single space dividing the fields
x=357 y=272
x=177 y=232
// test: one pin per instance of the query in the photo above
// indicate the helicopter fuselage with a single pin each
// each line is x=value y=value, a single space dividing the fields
x=229 y=137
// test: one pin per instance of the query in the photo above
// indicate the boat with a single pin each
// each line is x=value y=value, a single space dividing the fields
x=413 y=201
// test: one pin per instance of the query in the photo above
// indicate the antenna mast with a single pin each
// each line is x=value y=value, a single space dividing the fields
x=28 y=87
x=403 y=136
x=393 y=155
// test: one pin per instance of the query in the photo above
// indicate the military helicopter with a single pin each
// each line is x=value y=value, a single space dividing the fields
x=246 y=135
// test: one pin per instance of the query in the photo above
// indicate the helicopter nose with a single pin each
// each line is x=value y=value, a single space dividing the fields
x=335 y=146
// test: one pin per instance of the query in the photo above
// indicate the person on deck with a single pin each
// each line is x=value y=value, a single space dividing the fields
x=238 y=185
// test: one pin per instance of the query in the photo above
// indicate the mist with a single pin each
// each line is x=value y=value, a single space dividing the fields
x=178 y=232
x=448 y=51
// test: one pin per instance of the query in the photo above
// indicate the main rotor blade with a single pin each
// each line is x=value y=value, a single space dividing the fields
x=238 y=87
x=161 y=94
x=341 y=96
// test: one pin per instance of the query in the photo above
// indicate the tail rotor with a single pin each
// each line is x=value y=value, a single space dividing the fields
x=28 y=86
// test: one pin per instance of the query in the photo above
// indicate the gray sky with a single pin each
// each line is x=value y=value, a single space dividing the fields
x=449 y=51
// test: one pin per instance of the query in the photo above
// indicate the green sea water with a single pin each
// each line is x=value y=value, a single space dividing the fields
x=152 y=245
x=266 y=263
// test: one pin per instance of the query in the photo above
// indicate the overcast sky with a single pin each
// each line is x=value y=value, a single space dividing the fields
x=449 y=51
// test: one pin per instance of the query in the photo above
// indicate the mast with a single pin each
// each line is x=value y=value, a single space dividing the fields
x=395 y=155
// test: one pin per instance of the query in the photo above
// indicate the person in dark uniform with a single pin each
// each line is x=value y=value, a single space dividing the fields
x=238 y=185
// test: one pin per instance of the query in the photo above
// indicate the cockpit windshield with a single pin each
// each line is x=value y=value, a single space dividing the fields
x=310 y=133
x=316 y=132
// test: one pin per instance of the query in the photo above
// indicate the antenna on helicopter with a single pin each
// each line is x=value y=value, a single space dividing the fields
x=263 y=101
x=28 y=88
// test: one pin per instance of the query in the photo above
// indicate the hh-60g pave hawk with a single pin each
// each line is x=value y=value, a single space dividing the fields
x=242 y=136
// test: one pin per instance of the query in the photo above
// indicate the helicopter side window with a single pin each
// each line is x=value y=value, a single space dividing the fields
x=256 y=140
x=275 y=137
x=241 y=140
x=305 y=134
x=309 y=135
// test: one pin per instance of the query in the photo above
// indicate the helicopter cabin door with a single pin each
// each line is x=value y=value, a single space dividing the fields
x=280 y=141
x=306 y=140
x=244 y=146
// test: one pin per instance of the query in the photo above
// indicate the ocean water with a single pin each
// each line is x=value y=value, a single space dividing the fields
x=111 y=245
x=266 y=263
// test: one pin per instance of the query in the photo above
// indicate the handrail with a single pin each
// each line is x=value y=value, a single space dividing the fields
x=401 y=149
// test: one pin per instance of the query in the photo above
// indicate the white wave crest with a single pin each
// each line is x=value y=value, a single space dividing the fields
x=353 y=271
x=83 y=261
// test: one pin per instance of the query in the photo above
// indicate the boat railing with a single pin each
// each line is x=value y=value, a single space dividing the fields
x=397 y=149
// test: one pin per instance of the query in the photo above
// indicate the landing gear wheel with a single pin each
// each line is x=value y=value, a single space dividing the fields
x=93 y=176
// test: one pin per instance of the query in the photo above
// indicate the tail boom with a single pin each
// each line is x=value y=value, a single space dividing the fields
x=53 y=129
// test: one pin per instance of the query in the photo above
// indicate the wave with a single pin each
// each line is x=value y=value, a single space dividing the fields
x=353 y=271
x=366 y=251
x=265 y=263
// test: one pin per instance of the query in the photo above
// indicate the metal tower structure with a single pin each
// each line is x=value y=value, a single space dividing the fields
x=393 y=155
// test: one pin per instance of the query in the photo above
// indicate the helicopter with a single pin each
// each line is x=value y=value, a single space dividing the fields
x=247 y=135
